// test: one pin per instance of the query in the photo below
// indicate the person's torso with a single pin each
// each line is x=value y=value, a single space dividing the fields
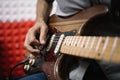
x=70 y=7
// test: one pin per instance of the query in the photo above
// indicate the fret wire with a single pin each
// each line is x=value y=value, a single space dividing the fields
x=80 y=38
x=76 y=41
x=84 y=37
x=66 y=39
x=91 y=46
x=87 y=46
x=69 y=44
x=78 y=45
x=105 y=46
x=73 y=48
x=113 y=47
x=82 y=45
x=72 y=41
x=87 y=42
x=75 y=44
x=97 y=46
x=81 y=41
x=64 y=44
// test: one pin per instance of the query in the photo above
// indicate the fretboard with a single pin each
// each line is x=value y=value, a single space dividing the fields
x=100 y=48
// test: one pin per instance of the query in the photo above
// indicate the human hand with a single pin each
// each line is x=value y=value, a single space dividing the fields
x=39 y=28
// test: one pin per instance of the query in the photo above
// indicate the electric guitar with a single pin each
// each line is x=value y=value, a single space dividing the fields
x=65 y=41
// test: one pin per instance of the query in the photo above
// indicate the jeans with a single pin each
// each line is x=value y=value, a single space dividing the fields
x=38 y=76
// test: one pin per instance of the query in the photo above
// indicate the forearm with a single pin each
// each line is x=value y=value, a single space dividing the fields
x=43 y=10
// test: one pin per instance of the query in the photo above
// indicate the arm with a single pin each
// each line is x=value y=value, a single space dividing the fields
x=42 y=12
x=43 y=9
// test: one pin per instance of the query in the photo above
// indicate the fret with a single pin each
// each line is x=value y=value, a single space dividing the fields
x=71 y=51
x=108 y=50
x=113 y=47
x=105 y=46
x=69 y=43
x=88 y=46
x=72 y=42
x=98 y=44
x=79 y=41
x=75 y=48
x=98 y=54
x=82 y=46
x=78 y=45
x=76 y=41
x=65 y=44
x=115 y=53
x=92 y=51
x=91 y=45
x=87 y=42
x=81 y=50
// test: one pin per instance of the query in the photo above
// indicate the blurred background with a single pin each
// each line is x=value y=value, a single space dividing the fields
x=16 y=17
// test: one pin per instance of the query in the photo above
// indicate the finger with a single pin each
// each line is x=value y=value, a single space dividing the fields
x=43 y=33
x=31 y=49
x=31 y=55
x=28 y=46
x=35 y=42
x=31 y=37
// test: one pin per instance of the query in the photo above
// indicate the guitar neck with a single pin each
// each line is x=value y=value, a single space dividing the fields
x=100 y=48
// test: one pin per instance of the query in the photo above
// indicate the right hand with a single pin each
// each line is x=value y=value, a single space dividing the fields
x=41 y=28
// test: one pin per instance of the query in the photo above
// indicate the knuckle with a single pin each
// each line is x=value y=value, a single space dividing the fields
x=30 y=30
x=25 y=46
x=32 y=39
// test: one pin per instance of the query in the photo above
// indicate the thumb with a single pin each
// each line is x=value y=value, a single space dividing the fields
x=43 y=34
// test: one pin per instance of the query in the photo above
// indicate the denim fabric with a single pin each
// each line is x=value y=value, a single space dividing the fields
x=38 y=76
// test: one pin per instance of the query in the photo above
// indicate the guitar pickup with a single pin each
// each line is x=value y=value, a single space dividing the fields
x=57 y=48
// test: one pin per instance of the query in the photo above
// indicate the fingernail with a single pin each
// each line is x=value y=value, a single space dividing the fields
x=42 y=42
x=37 y=51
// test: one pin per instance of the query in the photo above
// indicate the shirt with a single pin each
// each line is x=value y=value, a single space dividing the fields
x=70 y=7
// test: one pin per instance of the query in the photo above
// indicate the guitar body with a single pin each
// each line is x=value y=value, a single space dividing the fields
x=59 y=68
x=64 y=63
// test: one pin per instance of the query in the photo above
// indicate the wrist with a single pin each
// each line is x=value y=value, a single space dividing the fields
x=41 y=19
x=39 y=23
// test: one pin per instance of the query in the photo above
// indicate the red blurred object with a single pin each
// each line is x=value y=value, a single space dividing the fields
x=12 y=51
